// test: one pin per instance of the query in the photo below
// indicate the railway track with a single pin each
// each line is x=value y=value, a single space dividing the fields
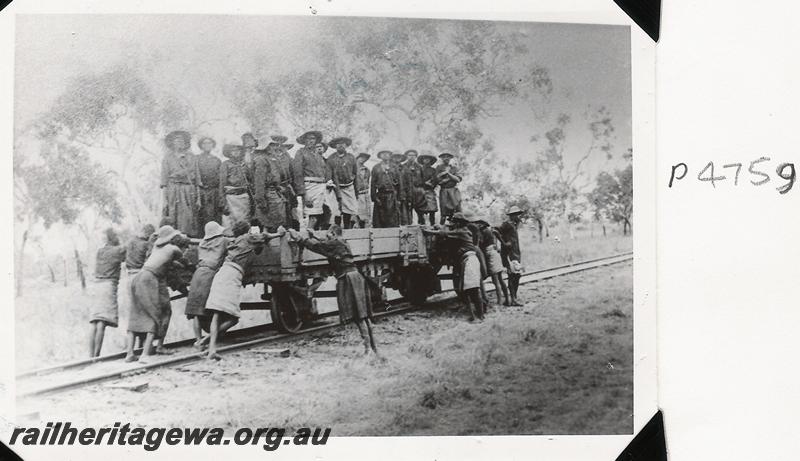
x=81 y=373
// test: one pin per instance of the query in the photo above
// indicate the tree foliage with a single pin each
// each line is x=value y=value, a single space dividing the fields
x=612 y=197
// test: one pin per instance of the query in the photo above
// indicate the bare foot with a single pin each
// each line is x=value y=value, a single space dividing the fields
x=145 y=359
x=214 y=356
x=131 y=358
x=162 y=351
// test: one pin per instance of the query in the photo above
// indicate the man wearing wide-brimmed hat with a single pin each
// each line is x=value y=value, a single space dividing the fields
x=235 y=188
x=287 y=181
x=343 y=173
x=447 y=178
x=490 y=246
x=362 y=189
x=270 y=203
x=180 y=179
x=208 y=166
x=412 y=171
x=311 y=175
x=402 y=188
x=510 y=252
x=383 y=192
x=428 y=177
x=249 y=145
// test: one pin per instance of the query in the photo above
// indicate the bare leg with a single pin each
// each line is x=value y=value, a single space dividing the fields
x=468 y=301
x=513 y=286
x=371 y=336
x=147 y=348
x=500 y=284
x=198 y=333
x=100 y=330
x=129 y=345
x=364 y=337
x=474 y=296
x=218 y=326
x=92 y=334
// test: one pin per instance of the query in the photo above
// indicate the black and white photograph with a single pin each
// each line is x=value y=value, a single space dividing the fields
x=384 y=226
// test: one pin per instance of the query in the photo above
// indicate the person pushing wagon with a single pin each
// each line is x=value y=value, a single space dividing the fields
x=352 y=291
x=105 y=308
x=150 y=309
x=226 y=288
x=211 y=252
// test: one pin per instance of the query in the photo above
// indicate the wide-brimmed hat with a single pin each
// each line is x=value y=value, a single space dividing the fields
x=347 y=141
x=213 y=229
x=428 y=157
x=514 y=210
x=263 y=151
x=411 y=150
x=363 y=154
x=461 y=216
x=445 y=155
x=165 y=234
x=480 y=220
x=303 y=138
x=204 y=139
x=281 y=140
x=383 y=153
x=177 y=133
x=229 y=149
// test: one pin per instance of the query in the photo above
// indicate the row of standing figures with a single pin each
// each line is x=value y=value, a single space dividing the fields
x=156 y=261
x=270 y=187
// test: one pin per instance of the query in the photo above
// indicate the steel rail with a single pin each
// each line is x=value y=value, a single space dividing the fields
x=403 y=307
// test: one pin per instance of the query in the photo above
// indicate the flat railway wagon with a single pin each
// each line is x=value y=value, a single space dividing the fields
x=402 y=258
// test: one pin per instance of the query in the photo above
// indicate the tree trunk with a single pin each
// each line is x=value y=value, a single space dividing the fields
x=79 y=266
x=539 y=227
x=21 y=263
x=628 y=227
x=604 y=230
x=52 y=273
x=64 y=261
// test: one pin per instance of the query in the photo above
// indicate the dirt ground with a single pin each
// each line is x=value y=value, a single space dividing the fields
x=562 y=364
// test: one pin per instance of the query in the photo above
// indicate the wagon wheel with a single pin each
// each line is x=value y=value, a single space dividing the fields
x=418 y=282
x=285 y=310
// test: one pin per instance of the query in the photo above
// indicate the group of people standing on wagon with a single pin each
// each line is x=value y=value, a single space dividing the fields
x=268 y=187
x=265 y=188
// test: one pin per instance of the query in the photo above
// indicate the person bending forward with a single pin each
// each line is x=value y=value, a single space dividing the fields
x=352 y=292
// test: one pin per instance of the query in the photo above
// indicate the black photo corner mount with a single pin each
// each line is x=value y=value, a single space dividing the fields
x=649 y=444
x=3 y=4
x=645 y=13
x=7 y=454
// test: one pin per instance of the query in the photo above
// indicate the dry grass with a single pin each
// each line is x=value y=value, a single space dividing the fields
x=562 y=364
